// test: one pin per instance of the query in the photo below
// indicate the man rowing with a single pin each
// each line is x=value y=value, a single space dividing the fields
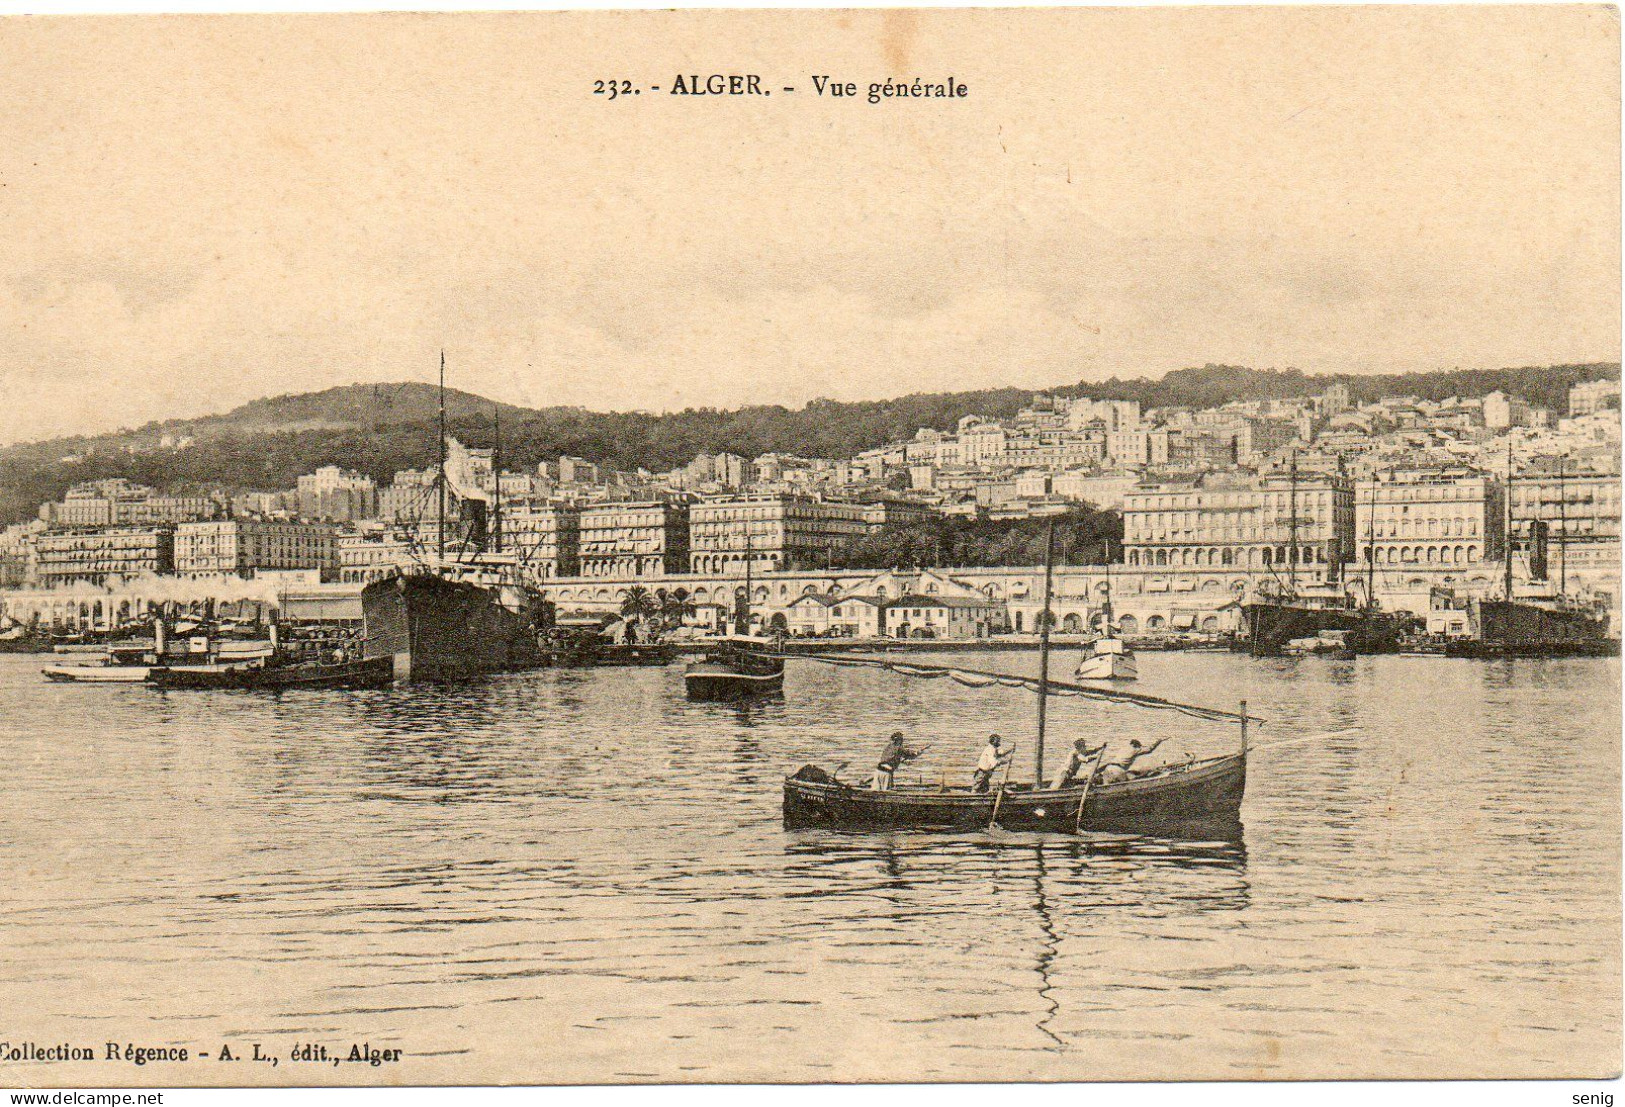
x=892 y=758
x=1115 y=771
x=993 y=757
x=1083 y=755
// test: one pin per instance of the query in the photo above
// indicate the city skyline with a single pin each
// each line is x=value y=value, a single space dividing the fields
x=208 y=210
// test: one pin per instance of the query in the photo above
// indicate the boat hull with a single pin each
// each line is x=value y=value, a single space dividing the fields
x=1519 y=629
x=717 y=683
x=432 y=628
x=97 y=674
x=374 y=672
x=1271 y=626
x=1109 y=666
x=1204 y=798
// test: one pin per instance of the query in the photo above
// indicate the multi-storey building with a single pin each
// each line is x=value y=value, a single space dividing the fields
x=117 y=502
x=1433 y=516
x=626 y=540
x=1577 y=518
x=779 y=532
x=104 y=555
x=546 y=539
x=375 y=553
x=337 y=495
x=1593 y=396
x=241 y=547
x=409 y=497
x=1240 y=521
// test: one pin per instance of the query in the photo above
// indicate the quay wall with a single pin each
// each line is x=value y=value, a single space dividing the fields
x=1183 y=598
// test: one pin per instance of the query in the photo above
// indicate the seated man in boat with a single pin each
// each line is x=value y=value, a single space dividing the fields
x=1115 y=771
x=993 y=756
x=892 y=758
x=1083 y=755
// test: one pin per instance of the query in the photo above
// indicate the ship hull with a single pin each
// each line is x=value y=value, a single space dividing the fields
x=432 y=628
x=1271 y=626
x=1514 y=629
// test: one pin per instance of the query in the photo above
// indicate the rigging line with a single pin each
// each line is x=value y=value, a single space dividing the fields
x=1303 y=738
x=1012 y=679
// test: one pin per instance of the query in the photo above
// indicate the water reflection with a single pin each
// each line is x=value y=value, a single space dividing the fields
x=587 y=860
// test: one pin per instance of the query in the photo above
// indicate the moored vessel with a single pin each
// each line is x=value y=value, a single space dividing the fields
x=1108 y=659
x=439 y=624
x=735 y=669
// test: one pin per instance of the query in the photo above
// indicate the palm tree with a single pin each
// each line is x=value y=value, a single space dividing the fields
x=674 y=609
x=637 y=604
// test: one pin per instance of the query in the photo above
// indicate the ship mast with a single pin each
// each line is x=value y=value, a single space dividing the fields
x=1507 y=576
x=745 y=622
x=440 y=478
x=496 y=473
x=1043 y=654
x=1292 y=527
x=1562 y=533
x=1371 y=548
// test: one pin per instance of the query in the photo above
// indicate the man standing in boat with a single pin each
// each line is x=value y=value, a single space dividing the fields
x=892 y=758
x=1083 y=755
x=1115 y=771
x=993 y=756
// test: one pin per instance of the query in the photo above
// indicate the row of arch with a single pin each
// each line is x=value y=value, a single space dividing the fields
x=728 y=562
x=78 y=613
x=1424 y=555
x=1245 y=557
x=1073 y=623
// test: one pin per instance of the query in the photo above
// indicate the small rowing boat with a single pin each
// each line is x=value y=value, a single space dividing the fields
x=1175 y=798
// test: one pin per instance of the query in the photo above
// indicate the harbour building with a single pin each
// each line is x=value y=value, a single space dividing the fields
x=643 y=539
x=780 y=531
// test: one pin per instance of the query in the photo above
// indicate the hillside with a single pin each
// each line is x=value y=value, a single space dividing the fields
x=381 y=428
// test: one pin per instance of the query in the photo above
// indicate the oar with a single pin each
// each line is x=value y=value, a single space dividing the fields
x=999 y=798
x=1083 y=799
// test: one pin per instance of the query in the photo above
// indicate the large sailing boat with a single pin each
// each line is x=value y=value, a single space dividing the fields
x=451 y=618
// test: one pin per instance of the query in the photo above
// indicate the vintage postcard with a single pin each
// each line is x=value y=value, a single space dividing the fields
x=846 y=546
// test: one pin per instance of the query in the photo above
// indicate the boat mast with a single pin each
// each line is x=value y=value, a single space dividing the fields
x=1507 y=576
x=1371 y=548
x=745 y=626
x=1043 y=654
x=1292 y=527
x=1562 y=533
x=496 y=473
x=440 y=479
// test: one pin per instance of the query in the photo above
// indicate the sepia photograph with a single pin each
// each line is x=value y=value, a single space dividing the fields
x=810 y=547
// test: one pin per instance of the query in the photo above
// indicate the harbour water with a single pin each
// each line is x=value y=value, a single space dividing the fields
x=579 y=876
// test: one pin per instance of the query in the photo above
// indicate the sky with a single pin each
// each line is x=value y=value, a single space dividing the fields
x=200 y=211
